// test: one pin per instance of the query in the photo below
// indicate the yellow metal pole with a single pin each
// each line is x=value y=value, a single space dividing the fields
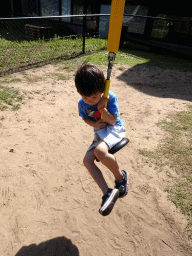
x=114 y=34
x=106 y=92
x=115 y=25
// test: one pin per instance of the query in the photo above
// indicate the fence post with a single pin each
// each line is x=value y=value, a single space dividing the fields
x=84 y=31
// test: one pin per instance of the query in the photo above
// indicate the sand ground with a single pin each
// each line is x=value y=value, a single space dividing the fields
x=49 y=203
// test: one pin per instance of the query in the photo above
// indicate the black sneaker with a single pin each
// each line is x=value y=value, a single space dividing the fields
x=123 y=185
x=108 y=202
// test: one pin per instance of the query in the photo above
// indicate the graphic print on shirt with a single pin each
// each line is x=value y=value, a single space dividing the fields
x=93 y=113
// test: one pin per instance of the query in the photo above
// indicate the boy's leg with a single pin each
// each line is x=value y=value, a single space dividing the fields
x=110 y=195
x=94 y=171
x=102 y=154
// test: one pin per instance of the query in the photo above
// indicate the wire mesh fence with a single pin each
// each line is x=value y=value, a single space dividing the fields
x=32 y=41
x=162 y=33
x=26 y=42
x=160 y=28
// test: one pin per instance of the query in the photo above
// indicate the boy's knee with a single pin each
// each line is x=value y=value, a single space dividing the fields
x=99 y=153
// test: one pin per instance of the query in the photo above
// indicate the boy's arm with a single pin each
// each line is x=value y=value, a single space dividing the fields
x=107 y=116
x=97 y=125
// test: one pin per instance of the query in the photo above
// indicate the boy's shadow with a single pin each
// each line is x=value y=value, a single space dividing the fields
x=59 y=246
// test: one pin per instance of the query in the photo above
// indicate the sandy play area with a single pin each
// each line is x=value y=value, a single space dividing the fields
x=49 y=203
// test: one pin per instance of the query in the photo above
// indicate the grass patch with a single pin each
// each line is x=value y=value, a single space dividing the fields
x=10 y=98
x=176 y=151
x=23 y=53
x=31 y=78
x=156 y=58
x=132 y=55
x=17 y=54
x=59 y=76
x=8 y=80
x=101 y=58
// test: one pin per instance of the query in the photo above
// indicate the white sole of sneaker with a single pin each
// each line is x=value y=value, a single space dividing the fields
x=108 y=206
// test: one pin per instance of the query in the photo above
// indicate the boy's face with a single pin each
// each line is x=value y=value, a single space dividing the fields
x=93 y=99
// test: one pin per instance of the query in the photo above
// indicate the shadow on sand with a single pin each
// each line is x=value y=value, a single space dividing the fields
x=159 y=82
x=155 y=78
x=59 y=246
x=164 y=75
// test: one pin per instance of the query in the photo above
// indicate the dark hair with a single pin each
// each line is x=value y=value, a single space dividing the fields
x=89 y=79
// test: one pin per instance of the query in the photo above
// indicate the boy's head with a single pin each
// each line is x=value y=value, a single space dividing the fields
x=89 y=80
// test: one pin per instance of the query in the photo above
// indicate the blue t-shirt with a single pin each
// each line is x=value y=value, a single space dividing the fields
x=87 y=111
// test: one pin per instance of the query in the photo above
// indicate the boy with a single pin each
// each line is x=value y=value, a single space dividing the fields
x=90 y=84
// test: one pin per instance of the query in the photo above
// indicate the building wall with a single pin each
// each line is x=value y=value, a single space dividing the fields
x=49 y=7
x=5 y=9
